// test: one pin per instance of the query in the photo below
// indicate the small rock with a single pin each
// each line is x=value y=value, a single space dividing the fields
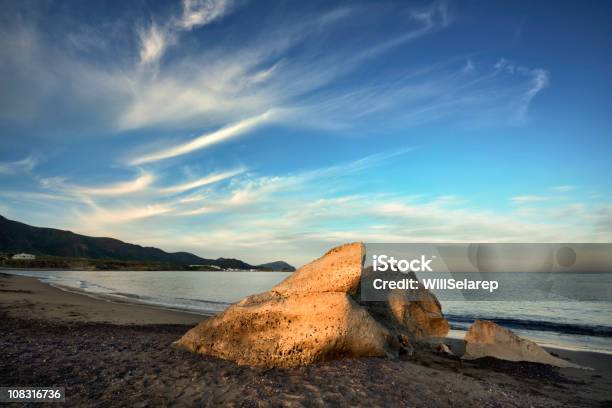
x=487 y=339
x=444 y=349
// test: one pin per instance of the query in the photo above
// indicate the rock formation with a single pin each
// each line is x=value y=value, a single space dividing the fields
x=416 y=314
x=312 y=316
x=487 y=339
x=271 y=330
x=339 y=270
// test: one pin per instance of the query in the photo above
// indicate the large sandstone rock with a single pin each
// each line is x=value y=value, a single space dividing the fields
x=271 y=330
x=487 y=339
x=313 y=316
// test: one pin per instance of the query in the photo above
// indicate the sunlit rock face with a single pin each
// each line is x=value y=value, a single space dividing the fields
x=314 y=316
x=487 y=339
x=339 y=270
x=275 y=331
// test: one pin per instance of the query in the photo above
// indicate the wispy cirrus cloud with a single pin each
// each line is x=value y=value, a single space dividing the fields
x=430 y=19
x=243 y=192
x=257 y=216
x=201 y=182
x=278 y=68
x=35 y=196
x=197 y=13
x=154 y=42
x=18 y=166
x=205 y=140
x=125 y=214
x=564 y=188
x=138 y=184
x=303 y=227
x=538 y=80
x=530 y=199
x=332 y=72
x=156 y=38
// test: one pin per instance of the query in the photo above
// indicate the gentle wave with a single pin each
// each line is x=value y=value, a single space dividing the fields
x=205 y=301
x=580 y=325
x=461 y=322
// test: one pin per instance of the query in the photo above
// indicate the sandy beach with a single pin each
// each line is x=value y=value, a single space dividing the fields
x=25 y=297
x=119 y=354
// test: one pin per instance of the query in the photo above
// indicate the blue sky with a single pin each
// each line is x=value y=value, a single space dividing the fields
x=275 y=130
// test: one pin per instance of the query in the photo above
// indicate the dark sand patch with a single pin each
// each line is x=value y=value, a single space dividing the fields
x=110 y=365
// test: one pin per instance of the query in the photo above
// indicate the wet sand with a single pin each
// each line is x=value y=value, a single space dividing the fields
x=116 y=354
x=22 y=296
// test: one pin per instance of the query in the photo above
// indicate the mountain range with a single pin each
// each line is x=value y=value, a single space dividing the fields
x=19 y=237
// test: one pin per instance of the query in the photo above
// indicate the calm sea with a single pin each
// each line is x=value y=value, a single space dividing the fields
x=566 y=323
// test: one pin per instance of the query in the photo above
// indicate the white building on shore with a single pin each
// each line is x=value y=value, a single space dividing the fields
x=23 y=256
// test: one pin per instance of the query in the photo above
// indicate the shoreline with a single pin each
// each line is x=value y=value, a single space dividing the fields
x=125 y=300
x=27 y=297
x=454 y=334
x=113 y=298
x=120 y=354
x=4 y=269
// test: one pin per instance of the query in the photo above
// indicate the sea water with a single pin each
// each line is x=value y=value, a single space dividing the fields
x=575 y=324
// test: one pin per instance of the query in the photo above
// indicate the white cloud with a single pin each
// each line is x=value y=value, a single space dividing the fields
x=538 y=80
x=140 y=183
x=227 y=81
x=240 y=197
x=201 y=12
x=206 y=140
x=192 y=199
x=479 y=95
x=241 y=81
x=102 y=216
x=529 y=199
x=204 y=181
x=245 y=194
x=33 y=196
x=155 y=39
x=297 y=229
x=296 y=216
x=431 y=19
x=253 y=191
x=223 y=89
x=153 y=43
x=219 y=87
x=564 y=188
x=24 y=165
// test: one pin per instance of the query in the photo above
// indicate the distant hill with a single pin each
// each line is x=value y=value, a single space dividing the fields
x=18 y=237
x=277 y=266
